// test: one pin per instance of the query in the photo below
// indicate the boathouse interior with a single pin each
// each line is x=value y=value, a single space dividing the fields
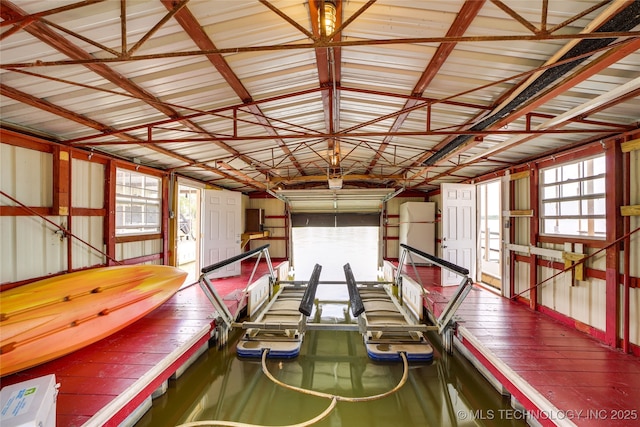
x=187 y=132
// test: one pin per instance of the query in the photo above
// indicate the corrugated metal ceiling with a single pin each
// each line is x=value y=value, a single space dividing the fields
x=248 y=95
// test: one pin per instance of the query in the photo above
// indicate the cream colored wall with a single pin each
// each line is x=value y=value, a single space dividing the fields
x=584 y=301
x=275 y=226
x=30 y=247
x=581 y=300
x=139 y=249
x=87 y=191
x=27 y=176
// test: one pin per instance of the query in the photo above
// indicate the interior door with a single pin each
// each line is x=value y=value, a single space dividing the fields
x=458 y=229
x=222 y=217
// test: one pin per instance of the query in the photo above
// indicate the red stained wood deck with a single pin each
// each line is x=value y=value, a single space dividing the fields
x=103 y=383
x=557 y=372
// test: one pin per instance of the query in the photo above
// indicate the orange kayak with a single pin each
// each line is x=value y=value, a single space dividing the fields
x=49 y=318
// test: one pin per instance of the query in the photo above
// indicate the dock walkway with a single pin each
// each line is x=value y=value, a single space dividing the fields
x=113 y=380
x=558 y=373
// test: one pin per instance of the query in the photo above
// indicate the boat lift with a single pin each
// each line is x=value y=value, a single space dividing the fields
x=224 y=318
x=389 y=313
x=281 y=325
x=445 y=322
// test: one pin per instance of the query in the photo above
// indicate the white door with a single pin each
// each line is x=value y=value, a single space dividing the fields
x=458 y=229
x=221 y=223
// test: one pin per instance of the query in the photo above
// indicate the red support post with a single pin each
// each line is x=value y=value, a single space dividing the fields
x=110 y=208
x=512 y=239
x=613 y=199
x=626 y=278
x=61 y=180
x=62 y=193
x=533 y=235
x=164 y=229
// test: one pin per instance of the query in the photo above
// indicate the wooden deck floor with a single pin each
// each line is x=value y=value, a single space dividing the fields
x=104 y=383
x=560 y=374
x=557 y=372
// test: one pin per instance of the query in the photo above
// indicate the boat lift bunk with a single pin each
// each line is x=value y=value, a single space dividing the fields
x=281 y=324
x=387 y=327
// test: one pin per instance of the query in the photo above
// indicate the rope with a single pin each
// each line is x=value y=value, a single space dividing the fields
x=64 y=230
x=405 y=375
x=334 y=398
x=312 y=421
x=581 y=261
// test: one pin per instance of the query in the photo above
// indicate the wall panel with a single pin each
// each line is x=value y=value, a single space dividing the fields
x=522 y=279
x=29 y=246
x=634 y=309
x=137 y=249
x=87 y=184
x=26 y=175
x=90 y=229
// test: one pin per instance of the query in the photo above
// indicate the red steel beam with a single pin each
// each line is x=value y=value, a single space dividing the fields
x=594 y=67
x=459 y=26
x=626 y=265
x=329 y=65
x=78 y=118
x=551 y=129
x=61 y=44
x=192 y=27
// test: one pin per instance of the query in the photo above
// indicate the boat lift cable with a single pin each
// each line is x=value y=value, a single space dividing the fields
x=61 y=228
x=577 y=263
x=403 y=380
x=334 y=398
x=307 y=423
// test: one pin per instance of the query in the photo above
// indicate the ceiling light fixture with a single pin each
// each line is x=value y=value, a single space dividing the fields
x=329 y=17
x=335 y=183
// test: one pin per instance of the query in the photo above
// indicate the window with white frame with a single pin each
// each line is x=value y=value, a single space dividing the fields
x=573 y=199
x=138 y=203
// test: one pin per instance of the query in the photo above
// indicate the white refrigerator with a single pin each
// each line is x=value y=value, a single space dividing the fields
x=418 y=229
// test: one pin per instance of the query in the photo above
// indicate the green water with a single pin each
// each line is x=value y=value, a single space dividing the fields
x=221 y=386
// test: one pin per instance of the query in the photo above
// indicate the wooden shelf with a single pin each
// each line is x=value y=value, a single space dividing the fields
x=252 y=235
x=520 y=212
x=632 y=210
x=629 y=146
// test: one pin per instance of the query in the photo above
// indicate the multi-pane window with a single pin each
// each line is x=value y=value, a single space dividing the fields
x=138 y=201
x=573 y=199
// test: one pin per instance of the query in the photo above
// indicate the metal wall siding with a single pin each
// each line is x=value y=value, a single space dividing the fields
x=27 y=176
x=89 y=229
x=138 y=249
x=30 y=238
x=634 y=315
x=87 y=189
